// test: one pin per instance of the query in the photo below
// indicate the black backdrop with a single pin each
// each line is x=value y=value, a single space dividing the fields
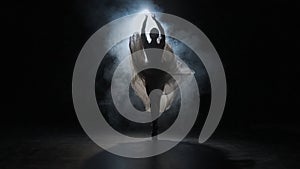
x=257 y=42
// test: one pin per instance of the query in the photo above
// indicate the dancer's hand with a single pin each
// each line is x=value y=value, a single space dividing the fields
x=153 y=16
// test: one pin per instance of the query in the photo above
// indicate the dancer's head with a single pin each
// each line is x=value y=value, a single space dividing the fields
x=154 y=33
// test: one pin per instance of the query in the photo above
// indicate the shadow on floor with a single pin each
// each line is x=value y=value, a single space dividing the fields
x=182 y=156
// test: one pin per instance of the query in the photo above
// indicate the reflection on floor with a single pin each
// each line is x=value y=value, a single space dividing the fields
x=184 y=155
x=74 y=150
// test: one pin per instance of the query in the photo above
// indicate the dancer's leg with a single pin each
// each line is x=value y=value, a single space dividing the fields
x=155 y=96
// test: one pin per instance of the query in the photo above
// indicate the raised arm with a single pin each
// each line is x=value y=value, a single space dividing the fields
x=161 y=29
x=143 y=34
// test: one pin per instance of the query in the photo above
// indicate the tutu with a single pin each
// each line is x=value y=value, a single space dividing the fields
x=172 y=64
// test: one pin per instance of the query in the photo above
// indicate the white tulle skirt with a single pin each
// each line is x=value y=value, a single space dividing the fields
x=173 y=65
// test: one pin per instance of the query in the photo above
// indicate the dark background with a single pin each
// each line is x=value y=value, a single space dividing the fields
x=257 y=43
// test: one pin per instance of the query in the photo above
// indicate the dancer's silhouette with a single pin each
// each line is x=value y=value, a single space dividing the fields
x=145 y=81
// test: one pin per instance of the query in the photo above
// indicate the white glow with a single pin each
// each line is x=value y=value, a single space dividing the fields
x=145 y=11
x=150 y=22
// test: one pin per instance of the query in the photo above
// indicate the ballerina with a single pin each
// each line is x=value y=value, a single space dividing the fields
x=145 y=81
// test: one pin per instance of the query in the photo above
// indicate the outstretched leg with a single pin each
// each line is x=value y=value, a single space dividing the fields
x=155 y=96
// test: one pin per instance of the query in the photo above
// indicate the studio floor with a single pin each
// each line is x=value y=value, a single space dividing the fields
x=59 y=149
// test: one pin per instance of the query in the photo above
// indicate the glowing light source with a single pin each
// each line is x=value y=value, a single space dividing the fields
x=145 y=11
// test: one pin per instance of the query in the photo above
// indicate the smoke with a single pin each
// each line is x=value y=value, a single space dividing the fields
x=121 y=50
x=97 y=13
x=127 y=7
x=105 y=12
